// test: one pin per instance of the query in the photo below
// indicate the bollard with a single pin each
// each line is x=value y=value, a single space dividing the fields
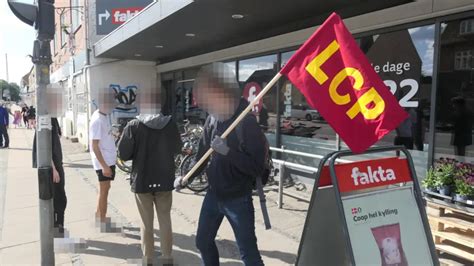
x=280 y=185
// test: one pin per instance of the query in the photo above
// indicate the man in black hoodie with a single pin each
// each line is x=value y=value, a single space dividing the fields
x=151 y=141
x=233 y=166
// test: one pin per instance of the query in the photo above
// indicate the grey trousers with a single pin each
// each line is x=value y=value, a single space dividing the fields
x=162 y=203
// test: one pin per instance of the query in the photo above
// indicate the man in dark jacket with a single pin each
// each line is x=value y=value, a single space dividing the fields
x=232 y=168
x=151 y=141
x=4 y=120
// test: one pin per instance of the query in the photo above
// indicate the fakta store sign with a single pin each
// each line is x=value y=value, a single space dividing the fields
x=381 y=211
x=111 y=14
x=367 y=174
x=372 y=174
x=367 y=213
x=121 y=15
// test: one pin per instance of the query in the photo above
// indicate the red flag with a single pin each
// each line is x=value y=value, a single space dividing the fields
x=337 y=79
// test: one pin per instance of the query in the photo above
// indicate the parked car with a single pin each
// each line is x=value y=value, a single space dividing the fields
x=302 y=111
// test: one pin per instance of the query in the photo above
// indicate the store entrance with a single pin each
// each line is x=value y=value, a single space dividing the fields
x=179 y=102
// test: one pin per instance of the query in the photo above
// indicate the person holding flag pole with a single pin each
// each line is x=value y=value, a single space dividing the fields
x=336 y=79
x=232 y=170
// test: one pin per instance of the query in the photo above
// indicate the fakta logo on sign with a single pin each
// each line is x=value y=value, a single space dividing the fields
x=371 y=174
x=251 y=90
x=121 y=15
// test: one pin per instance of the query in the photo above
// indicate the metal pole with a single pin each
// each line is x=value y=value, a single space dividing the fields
x=6 y=67
x=278 y=110
x=42 y=61
x=434 y=96
x=338 y=142
x=280 y=185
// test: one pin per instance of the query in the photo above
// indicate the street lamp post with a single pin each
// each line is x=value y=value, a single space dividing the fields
x=41 y=15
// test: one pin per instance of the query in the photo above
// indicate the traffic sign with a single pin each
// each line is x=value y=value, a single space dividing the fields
x=111 y=14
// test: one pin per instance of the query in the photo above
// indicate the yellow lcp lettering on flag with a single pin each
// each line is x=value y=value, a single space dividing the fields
x=369 y=98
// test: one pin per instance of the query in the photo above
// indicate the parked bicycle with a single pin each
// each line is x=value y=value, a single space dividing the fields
x=191 y=134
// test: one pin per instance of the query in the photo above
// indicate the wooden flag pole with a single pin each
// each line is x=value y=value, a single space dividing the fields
x=232 y=126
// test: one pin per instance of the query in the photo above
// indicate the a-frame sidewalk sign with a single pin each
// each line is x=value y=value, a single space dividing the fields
x=367 y=212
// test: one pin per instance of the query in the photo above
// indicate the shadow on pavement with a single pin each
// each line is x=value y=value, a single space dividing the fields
x=18 y=149
x=294 y=210
x=133 y=252
x=113 y=250
x=227 y=248
x=283 y=256
x=78 y=165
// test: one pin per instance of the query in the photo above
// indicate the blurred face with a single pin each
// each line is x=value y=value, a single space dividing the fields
x=216 y=101
x=55 y=102
x=106 y=101
x=149 y=102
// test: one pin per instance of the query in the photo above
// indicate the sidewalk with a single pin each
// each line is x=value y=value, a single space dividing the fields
x=19 y=225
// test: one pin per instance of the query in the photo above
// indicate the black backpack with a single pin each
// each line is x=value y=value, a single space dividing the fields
x=268 y=167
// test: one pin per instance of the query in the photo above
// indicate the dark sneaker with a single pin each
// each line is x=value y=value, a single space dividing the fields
x=59 y=232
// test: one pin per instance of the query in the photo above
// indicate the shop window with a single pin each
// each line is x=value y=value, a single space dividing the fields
x=63 y=25
x=231 y=65
x=466 y=26
x=302 y=127
x=53 y=41
x=404 y=61
x=455 y=93
x=75 y=15
x=180 y=99
x=254 y=75
x=462 y=60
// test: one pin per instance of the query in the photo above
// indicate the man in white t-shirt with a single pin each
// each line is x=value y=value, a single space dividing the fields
x=103 y=153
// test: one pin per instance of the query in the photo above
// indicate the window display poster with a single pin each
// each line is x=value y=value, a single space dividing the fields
x=385 y=228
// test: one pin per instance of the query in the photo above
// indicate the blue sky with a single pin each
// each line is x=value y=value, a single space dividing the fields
x=16 y=40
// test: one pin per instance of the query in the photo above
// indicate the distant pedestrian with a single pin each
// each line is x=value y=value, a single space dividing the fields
x=263 y=118
x=462 y=126
x=4 y=121
x=59 y=193
x=17 y=118
x=31 y=115
x=152 y=141
x=406 y=130
x=232 y=168
x=103 y=155
x=24 y=113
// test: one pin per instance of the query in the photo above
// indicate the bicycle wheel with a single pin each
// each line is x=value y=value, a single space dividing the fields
x=124 y=166
x=177 y=163
x=198 y=183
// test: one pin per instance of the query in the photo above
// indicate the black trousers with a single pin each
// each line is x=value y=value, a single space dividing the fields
x=405 y=141
x=4 y=136
x=59 y=199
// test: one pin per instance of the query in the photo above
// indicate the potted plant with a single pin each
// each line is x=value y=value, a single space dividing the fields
x=445 y=177
x=464 y=188
x=430 y=182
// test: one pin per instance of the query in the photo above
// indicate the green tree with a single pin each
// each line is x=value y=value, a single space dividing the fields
x=12 y=87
